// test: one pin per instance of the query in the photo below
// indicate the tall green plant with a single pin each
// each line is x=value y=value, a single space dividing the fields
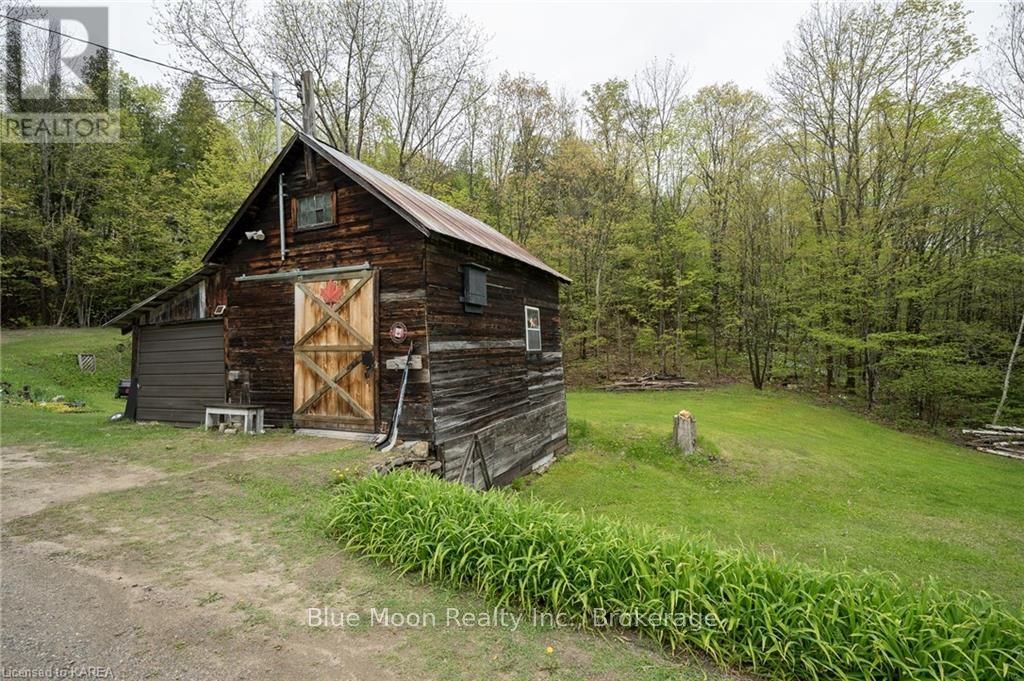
x=783 y=620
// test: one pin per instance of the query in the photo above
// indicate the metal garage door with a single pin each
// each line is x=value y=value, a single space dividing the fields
x=180 y=370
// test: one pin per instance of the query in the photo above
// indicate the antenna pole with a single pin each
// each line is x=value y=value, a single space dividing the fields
x=277 y=109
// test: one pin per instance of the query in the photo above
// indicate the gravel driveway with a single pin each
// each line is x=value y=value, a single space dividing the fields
x=68 y=617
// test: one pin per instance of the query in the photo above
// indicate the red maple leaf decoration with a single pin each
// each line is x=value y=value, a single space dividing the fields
x=331 y=292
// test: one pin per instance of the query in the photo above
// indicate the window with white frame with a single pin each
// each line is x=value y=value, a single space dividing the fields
x=314 y=211
x=532 y=329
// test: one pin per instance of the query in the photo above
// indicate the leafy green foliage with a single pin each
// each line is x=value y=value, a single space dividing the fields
x=775 y=618
x=89 y=229
x=870 y=246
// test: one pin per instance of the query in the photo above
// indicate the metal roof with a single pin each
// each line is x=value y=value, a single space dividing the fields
x=426 y=212
x=422 y=211
x=125 y=319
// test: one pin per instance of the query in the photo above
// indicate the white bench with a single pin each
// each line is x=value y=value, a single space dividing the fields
x=252 y=416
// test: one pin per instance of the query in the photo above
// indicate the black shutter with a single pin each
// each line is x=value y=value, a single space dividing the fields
x=474 y=288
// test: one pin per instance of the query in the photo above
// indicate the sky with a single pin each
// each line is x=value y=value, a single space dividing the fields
x=573 y=45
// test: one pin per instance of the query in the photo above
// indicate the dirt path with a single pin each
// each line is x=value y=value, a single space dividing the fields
x=58 y=616
x=204 y=573
x=62 y=613
x=30 y=482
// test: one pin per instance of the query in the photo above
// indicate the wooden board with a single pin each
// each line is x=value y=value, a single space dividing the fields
x=335 y=352
x=484 y=383
x=260 y=314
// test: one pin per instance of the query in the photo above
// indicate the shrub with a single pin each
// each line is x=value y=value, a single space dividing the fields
x=784 y=620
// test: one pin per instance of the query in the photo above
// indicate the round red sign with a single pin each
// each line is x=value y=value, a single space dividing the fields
x=398 y=332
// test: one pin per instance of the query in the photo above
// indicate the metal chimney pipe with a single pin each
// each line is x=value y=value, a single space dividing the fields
x=309 y=122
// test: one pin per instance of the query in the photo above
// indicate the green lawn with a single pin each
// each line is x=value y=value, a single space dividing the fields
x=817 y=484
x=45 y=360
x=229 y=512
x=807 y=482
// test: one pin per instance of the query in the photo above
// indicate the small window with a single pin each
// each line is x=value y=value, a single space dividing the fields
x=532 y=329
x=474 y=288
x=314 y=211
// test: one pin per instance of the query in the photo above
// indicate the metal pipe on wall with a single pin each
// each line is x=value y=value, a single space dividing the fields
x=280 y=178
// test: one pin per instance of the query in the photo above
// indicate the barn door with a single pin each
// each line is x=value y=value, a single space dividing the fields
x=335 y=352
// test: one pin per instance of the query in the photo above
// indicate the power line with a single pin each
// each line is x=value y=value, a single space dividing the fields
x=122 y=52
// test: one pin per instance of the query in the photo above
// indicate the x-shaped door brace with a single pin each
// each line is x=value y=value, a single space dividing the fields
x=332 y=383
x=363 y=344
x=332 y=313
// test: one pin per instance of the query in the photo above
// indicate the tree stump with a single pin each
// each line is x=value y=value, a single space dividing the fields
x=685 y=432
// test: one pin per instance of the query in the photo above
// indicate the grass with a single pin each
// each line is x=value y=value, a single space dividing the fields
x=164 y=447
x=804 y=481
x=221 y=518
x=45 y=359
x=776 y=618
x=785 y=476
x=265 y=518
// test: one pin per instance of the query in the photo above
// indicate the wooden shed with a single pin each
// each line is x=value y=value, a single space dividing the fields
x=307 y=303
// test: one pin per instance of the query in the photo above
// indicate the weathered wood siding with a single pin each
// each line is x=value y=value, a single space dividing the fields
x=483 y=380
x=260 y=314
x=186 y=306
x=477 y=380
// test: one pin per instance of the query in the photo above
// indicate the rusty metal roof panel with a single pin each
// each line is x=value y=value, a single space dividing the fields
x=428 y=213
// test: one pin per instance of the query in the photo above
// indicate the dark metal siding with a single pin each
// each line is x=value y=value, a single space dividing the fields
x=180 y=370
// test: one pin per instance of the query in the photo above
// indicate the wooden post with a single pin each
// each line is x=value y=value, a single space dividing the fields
x=309 y=121
x=685 y=432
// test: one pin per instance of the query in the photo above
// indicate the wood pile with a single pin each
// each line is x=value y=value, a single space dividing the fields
x=650 y=382
x=1000 y=440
